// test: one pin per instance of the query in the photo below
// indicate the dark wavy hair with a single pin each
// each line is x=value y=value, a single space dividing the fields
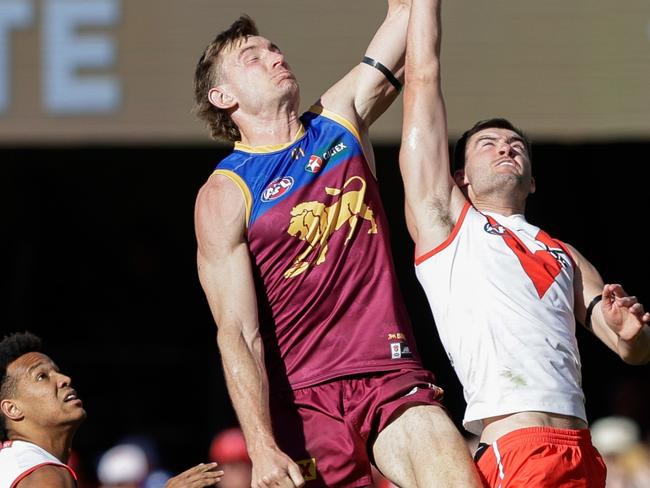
x=11 y=348
x=458 y=161
x=218 y=120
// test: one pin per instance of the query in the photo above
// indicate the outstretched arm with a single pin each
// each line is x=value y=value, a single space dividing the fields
x=618 y=320
x=433 y=201
x=226 y=275
x=363 y=94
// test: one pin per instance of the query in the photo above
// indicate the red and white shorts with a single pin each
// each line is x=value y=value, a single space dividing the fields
x=542 y=457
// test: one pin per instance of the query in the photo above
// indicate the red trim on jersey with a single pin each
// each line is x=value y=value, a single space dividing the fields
x=446 y=242
x=34 y=468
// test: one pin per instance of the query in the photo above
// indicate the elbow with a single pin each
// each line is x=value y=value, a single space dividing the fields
x=228 y=335
x=231 y=336
x=399 y=7
x=422 y=73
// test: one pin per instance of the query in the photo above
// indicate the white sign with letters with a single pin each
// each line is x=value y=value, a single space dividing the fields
x=65 y=53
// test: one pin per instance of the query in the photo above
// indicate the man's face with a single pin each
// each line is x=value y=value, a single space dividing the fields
x=255 y=71
x=44 y=396
x=497 y=160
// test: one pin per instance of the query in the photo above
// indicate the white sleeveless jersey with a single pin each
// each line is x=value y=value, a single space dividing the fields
x=501 y=293
x=18 y=459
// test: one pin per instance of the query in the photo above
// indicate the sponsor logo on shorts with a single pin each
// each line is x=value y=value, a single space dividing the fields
x=307 y=468
x=277 y=188
x=400 y=350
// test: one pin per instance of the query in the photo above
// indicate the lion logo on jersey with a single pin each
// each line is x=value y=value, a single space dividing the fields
x=314 y=223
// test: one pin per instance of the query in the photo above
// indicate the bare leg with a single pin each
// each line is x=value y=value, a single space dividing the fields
x=423 y=448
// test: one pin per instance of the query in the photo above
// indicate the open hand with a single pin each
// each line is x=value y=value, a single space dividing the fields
x=200 y=476
x=623 y=314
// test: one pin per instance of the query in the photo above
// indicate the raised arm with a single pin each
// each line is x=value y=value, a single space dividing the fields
x=617 y=319
x=433 y=201
x=226 y=275
x=365 y=93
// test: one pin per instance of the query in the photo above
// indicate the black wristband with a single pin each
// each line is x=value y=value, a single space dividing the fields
x=385 y=71
x=590 y=309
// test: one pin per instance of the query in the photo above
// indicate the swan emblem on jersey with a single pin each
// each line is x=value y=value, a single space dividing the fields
x=542 y=266
x=495 y=230
x=314 y=222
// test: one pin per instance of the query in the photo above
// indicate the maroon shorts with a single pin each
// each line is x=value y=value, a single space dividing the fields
x=328 y=429
x=543 y=457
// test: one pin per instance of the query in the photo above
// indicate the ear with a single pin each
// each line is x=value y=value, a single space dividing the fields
x=220 y=97
x=11 y=410
x=532 y=185
x=460 y=178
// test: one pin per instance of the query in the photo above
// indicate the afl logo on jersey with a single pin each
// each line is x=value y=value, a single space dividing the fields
x=277 y=188
x=495 y=230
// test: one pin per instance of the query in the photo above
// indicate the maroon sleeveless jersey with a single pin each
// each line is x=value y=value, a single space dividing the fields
x=329 y=302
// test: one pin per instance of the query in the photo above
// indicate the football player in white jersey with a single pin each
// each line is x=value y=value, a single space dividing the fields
x=39 y=415
x=505 y=295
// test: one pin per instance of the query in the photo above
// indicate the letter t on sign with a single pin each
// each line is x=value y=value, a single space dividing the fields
x=65 y=91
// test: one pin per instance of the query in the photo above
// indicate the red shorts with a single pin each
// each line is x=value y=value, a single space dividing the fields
x=328 y=429
x=539 y=457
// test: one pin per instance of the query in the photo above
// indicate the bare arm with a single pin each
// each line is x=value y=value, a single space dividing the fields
x=618 y=320
x=364 y=93
x=49 y=476
x=433 y=201
x=226 y=275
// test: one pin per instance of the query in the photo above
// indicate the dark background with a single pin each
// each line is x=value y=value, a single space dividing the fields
x=98 y=258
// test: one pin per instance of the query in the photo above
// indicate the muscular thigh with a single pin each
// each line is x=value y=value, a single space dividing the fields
x=422 y=447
